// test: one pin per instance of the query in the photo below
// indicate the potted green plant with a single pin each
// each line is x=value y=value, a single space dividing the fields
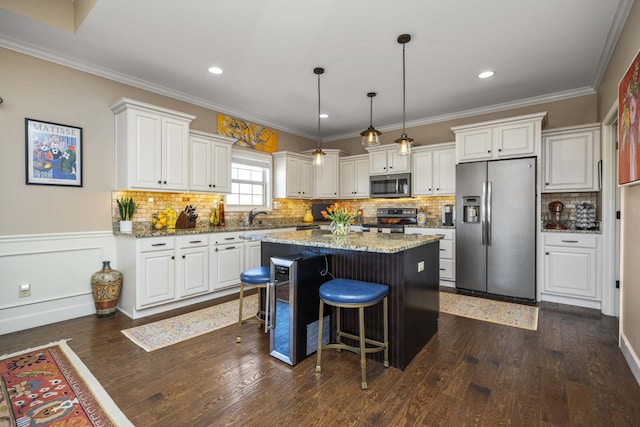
x=126 y=208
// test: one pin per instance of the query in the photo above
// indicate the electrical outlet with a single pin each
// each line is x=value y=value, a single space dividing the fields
x=24 y=290
x=420 y=266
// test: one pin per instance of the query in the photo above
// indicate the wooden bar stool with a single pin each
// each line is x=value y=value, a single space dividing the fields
x=346 y=293
x=254 y=278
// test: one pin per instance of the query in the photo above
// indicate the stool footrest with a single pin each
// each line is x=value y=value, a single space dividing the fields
x=379 y=345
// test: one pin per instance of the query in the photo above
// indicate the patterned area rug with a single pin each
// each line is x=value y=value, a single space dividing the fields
x=50 y=386
x=164 y=333
x=503 y=313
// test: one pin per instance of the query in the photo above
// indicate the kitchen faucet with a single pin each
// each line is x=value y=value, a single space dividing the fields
x=252 y=215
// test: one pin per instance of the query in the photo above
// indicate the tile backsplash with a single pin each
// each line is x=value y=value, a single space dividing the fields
x=570 y=200
x=285 y=210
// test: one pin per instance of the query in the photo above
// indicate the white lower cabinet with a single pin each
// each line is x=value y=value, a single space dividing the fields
x=228 y=259
x=156 y=272
x=192 y=266
x=571 y=269
x=447 y=251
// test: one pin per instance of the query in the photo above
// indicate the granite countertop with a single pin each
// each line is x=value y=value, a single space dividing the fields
x=141 y=231
x=438 y=225
x=362 y=242
x=570 y=230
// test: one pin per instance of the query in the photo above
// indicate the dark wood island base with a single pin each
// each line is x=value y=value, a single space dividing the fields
x=411 y=272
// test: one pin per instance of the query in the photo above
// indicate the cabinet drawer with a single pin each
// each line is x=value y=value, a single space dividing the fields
x=448 y=233
x=225 y=238
x=156 y=244
x=571 y=240
x=446 y=249
x=446 y=269
x=191 y=241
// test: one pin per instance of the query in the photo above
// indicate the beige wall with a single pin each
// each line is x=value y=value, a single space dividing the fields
x=42 y=90
x=626 y=49
x=568 y=112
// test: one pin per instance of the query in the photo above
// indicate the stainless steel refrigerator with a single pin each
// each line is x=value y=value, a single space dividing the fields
x=496 y=227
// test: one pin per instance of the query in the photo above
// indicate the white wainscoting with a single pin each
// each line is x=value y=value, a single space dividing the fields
x=58 y=267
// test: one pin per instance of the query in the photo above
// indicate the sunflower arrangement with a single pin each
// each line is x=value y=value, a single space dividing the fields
x=339 y=213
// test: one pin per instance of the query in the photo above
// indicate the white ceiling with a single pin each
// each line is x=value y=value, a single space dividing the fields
x=540 y=49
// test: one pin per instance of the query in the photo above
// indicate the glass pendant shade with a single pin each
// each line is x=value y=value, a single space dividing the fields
x=404 y=145
x=370 y=136
x=318 y=157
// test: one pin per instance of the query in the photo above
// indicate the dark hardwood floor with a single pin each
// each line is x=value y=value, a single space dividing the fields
x=568 y=373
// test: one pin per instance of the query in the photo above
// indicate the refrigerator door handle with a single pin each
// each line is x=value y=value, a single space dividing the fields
x=483 y=213
x=489 y=201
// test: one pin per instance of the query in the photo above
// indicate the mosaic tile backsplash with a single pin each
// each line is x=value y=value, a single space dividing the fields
x=286 y=211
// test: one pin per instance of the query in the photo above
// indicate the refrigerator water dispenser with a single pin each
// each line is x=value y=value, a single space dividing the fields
x=471 y=209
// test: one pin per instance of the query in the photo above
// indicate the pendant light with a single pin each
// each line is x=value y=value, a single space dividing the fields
x=404 y=142
x=371 y=136
x=318 y=154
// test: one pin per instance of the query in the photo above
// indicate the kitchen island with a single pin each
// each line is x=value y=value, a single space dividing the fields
x=408 y=264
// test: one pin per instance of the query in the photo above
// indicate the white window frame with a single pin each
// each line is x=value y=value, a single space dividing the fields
x=254 y=158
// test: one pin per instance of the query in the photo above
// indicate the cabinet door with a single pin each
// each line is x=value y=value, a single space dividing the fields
x=305 y=177
x=327 y=178
x=397 y=163
x=228 y=264
x=569 y=162
x=515 y=140
x=444 y=172
x=156 y=283
x=252 y=253
x=474 y=145
x=293 y=175
x=193 y=271
x=221 y=168
x=422 y=173
x=347 y=179
x=175 y=149
x=200 y=165
x=378 y=162
x=361 y=178
x=570 y=271
x=145 y=145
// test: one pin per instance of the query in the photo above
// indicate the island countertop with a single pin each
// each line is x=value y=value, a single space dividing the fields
x=363 y=242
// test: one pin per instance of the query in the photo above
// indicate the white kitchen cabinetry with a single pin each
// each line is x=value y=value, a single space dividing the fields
x=571 y=269
x=384 y=159
x=504 y=138
x=447 y=251
x=228 y=259
x=192 y=269
x=571 y=159
x=434 y=170
x=354 y=177
x=156 y=272
x=152 y=147
x=210 y=163
x=326 y=180
x=292 y=175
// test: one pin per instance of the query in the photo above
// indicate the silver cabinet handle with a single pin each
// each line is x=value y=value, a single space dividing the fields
x=569 y=241
x=195 y=241
x=159 y=244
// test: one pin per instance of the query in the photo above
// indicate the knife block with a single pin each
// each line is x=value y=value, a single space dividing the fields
x=183 y=221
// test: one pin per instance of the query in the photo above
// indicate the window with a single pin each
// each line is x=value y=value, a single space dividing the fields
x=250 y=180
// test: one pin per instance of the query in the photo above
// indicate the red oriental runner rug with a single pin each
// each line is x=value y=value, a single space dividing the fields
x=50 y=386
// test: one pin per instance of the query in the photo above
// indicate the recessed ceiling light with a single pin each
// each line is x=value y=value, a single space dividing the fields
x=486 y=74
x=324 y=115
x=215 y=70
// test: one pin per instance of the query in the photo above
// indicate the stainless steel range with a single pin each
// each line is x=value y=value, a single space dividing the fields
x=392 y=220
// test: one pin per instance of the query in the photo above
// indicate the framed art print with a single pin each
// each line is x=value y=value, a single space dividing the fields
x=628 y=118
x=53 y=153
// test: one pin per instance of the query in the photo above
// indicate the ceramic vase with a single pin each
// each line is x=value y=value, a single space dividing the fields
x=339 y=228
x=126 y=226
x=308 y=216
x=105 y=287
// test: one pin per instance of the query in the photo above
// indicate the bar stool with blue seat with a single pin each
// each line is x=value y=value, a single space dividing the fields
x=253 y=278
x=347 y=293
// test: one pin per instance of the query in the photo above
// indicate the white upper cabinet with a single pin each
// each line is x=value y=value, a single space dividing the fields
x=354 y=177
x=505 y=138
x=210 y=163
x=152 y=147
x=292 y=175
x=571 y=159
x=434 y=170
x=384 y=159
x=326 y=182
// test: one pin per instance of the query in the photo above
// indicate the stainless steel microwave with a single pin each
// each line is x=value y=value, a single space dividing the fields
x=387 y=186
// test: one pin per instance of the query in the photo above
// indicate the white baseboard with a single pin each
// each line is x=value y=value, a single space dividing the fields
x=580 y=302
x=630 y=356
